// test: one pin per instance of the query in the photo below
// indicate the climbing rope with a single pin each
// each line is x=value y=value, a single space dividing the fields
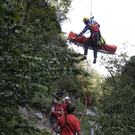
x=84 y=97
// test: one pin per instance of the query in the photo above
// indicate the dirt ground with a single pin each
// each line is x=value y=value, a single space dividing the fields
x=43 y=123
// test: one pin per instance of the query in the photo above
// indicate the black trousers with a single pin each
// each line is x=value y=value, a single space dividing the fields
x=94 y=44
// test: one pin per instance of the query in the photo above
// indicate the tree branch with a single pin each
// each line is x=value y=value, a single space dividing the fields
x=27 y=9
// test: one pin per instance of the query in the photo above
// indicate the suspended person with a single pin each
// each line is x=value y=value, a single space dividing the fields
x=93 y=26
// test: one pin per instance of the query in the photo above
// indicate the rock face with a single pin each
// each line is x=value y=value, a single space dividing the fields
x=90 y=112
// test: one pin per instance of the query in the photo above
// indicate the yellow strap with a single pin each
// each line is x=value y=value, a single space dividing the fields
x=93 y=25
x=90 y=24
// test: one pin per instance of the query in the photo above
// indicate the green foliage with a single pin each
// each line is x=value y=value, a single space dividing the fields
x=36 y=66
x=92 y=84
x=88 y=122
x=12 y=123
x=66 y=84
x=31 y=58
x=79 y=107
x=44 y=132
x=118 y=98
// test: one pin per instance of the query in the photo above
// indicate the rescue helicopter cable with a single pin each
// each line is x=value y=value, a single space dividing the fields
x=91 y=9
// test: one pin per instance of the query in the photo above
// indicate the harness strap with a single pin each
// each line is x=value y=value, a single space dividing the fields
x=82 y=39
x=97 y=33
x=105 y=48
x=66 y=124
x=92 y=25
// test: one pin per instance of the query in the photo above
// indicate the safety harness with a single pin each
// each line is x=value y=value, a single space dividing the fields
x=93 y=25
x=100 y=39
x=66 y=124
x=97 y=33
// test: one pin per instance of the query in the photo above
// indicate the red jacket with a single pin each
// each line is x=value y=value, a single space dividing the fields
x=94 y=27
x=64 y=107
x=56 y=115
x=88 y=99
x=72 y=121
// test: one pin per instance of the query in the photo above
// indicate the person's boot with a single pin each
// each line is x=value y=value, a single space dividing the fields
x=84 y=58
x=94 y=61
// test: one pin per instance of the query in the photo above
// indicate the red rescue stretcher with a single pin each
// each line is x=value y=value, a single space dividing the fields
x=80 y=41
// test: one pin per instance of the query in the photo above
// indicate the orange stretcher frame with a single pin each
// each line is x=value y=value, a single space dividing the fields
x=80 y=41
